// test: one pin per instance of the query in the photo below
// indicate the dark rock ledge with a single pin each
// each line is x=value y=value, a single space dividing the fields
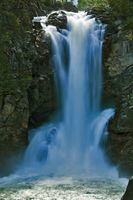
x=129 y=191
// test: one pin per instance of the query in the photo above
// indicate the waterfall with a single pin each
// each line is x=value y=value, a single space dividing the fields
x=74 y=2
x=70 y=145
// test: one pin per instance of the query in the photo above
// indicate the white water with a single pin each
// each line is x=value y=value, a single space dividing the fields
x=63 y=189
x=74 y=2
x=71 y=144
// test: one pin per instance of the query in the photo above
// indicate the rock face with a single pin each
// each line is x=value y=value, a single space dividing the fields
x=119 y=94
x=41 y=92
x=57 y=19
x=14 y=117
x=129 y=191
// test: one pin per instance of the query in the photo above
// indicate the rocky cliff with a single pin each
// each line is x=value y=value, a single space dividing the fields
x=119 y=89
x=27 y=91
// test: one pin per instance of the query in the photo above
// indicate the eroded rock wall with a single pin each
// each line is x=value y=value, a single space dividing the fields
x=119 y=94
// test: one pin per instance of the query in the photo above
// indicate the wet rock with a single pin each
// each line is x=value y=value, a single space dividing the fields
x=14 y=118
x=118 y=86
x=41 y=93
x=57 y=19
x=129 y=191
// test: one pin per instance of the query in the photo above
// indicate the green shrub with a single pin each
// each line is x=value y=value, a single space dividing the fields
x=124 y=11
x=93 y=4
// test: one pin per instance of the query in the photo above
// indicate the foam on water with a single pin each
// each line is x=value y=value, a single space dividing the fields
x=63 y=188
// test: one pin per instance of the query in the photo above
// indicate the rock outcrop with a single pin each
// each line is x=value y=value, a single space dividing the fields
x=129 y=191
x=27 y=90
x=57 y=19
x=41 y=92
x=119 y=94
x=14 y=117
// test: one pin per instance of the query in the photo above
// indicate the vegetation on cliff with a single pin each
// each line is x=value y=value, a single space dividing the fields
x=117 y=10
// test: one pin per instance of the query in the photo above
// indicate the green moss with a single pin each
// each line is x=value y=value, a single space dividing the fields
x=129 y=36
x=118 y=9
x=123 y=10
x=15 y=63
x=97 y=4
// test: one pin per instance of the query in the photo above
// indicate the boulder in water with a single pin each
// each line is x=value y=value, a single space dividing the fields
x=57 y=19
x=129 y=191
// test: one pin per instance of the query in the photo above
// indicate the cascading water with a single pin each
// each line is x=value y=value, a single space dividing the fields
x=71 y=145
x=74 y=2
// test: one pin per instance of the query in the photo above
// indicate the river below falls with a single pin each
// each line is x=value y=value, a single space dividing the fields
x=67 y=188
